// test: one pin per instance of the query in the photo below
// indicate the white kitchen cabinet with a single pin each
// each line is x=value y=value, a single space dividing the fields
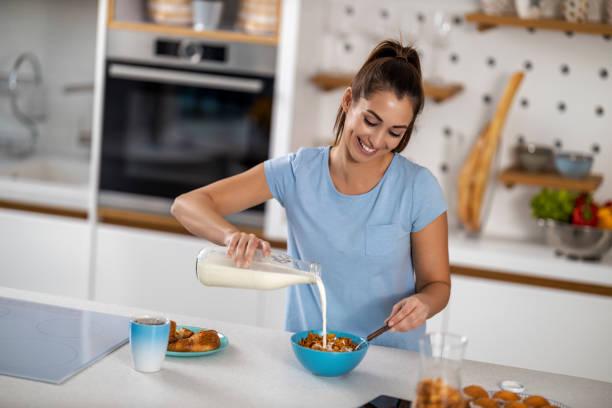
x=536 y=328
x=156 y=270
x=44 y=253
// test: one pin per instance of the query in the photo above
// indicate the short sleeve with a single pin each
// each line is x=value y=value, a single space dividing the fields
x=280 y=176
x=428 y=201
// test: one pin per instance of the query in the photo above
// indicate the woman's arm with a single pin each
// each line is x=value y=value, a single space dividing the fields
x=430 y=262
x=201 y=211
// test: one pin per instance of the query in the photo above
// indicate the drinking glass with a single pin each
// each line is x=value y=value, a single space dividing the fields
x=441 y=355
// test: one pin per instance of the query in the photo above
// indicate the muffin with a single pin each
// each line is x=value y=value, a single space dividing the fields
x=536 y=401
x=475 y=392
x=506 y=396
x=484 y=403
x=515 y=404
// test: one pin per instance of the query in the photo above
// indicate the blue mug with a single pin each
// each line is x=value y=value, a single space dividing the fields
x=148 y=342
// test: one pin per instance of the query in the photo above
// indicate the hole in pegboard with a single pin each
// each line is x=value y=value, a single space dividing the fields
x=607 y=37
x=444 y=167
x=595 y=148
x=348 y=47
x=531 y=30
x=528 y=65
x=384 y=13
x=569 y=33
x=524 y=102
x=599 y=111
x=603 y=73
x=520 y=139
x=561 y=107
x=558 y=143
x=565 y=69
x=420 y=17
x=454 y=58
x=457 y=20
x=486 y=98
x=447 y=131
x=349 y=10
x=491 y=62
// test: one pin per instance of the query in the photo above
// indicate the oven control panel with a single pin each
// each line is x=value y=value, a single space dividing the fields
x=193 y=51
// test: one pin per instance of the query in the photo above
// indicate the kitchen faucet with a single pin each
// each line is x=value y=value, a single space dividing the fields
x=30 y=121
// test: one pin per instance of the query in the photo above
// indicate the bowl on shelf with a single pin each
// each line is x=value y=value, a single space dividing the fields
x=573 y=165
x=328 y=363
x=534 y=158
x=577 y=241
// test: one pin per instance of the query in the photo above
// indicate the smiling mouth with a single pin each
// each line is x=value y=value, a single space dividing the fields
x=367 y=150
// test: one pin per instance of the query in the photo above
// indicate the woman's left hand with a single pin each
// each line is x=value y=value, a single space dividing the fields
x=407 y=314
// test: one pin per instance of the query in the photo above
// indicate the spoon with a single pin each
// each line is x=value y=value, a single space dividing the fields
x=373 y=335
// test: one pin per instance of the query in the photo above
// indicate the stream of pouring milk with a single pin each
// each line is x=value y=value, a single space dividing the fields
x=219 y=270
x=323 y=298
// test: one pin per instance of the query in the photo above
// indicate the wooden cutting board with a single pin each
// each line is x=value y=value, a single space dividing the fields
x=476 y=171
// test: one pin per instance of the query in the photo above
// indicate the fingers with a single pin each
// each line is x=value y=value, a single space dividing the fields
x=396 y=307
x=409 y=313
x=239 y=254
x=241 y=248
x=252 y=245
x=405 y=308
x=266 y=247
x=232 y=243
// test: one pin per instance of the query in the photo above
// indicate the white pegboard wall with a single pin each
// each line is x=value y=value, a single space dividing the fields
x=565 y=98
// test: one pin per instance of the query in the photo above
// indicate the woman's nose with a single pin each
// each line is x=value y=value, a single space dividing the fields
x=377 y=139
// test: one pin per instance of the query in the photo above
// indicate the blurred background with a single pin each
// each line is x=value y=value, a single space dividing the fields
x=110 y=108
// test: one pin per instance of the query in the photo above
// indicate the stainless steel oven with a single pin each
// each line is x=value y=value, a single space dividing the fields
x=179 y=114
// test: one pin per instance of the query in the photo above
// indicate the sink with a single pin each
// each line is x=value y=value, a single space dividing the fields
x=46 y=180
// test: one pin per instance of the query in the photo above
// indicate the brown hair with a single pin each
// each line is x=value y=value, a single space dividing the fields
x=389 y=67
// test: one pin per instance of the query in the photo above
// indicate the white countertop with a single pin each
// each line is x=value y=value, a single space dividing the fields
x=525 y=258
x=259 y=369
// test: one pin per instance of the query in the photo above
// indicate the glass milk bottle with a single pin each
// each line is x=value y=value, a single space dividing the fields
x=441 y=355
x=215 y=268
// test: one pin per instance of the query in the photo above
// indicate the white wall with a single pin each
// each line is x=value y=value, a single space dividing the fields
x=324 y=34
x=62 y=34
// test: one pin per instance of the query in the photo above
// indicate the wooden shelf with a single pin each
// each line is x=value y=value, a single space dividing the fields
x=439 y=93
x=513 y=176
x=220 y=35
x=485 y=22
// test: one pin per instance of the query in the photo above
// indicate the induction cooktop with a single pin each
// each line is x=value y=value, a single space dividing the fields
x=50 y=343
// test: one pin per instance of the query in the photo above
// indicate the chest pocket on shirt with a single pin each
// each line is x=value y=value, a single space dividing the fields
x=383 y=239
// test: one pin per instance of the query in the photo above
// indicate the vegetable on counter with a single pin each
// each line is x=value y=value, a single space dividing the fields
x=604 y=215
x=553 y=204
x=585 y=211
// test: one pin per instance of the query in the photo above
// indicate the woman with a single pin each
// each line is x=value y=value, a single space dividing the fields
x=375 y=221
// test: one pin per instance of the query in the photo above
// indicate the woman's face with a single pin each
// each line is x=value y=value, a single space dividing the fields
x=374 y=126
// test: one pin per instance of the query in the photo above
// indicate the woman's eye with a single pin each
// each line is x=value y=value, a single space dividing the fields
x=395 y=134
x=369 y=123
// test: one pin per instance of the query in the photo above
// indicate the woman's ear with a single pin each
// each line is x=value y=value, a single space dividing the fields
x=347 y=99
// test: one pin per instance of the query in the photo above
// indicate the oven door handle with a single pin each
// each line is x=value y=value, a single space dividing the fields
x=201 y=80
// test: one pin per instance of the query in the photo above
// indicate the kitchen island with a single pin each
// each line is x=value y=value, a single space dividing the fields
x=259 y=369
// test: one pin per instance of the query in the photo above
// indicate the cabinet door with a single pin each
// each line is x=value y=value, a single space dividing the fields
x=44 y=253
x=156 y=270
x=536 y=328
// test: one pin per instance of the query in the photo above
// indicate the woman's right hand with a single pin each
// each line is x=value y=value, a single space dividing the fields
x=242 y=246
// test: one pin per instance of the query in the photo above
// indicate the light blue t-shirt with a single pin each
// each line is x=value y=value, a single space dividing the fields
x=361 y=241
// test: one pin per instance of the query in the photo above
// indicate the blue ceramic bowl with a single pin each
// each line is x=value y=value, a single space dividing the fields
x=573 y=165
x=328 y=363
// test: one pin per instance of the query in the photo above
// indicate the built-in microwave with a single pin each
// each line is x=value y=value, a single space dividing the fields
x=179 y=114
